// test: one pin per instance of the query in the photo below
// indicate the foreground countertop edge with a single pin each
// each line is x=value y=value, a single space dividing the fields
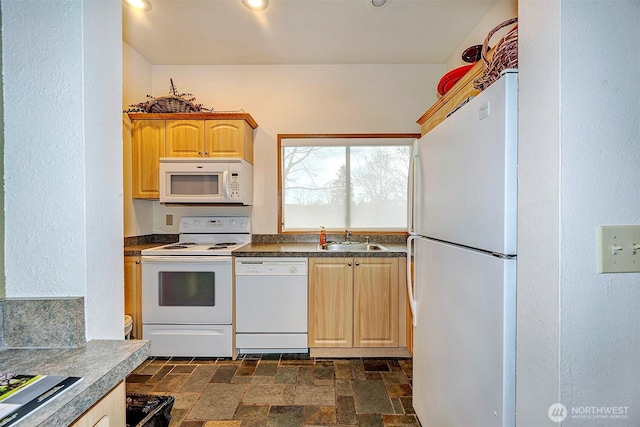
x=102 y=364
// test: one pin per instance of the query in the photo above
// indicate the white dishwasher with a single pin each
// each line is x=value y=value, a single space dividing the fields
x=271 y=305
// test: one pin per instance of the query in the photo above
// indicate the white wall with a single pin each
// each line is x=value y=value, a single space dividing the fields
x=301 y=99
x=103 y=178
x=600 y=184
x=538 y=211
x=63 y=155
x=578 y=331
x=136 y=84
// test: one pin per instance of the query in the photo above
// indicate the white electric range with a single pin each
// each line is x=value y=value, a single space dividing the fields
x=187 y=288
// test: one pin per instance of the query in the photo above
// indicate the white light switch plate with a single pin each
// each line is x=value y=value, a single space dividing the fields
x=618 y=248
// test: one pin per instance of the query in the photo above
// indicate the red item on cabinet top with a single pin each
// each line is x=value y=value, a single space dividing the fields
x=448 y=80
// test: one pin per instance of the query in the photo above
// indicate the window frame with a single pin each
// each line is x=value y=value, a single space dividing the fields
x=284 y=136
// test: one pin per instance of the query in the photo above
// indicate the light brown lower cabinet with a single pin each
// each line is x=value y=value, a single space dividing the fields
x=110 y=411
x=354 y=302
x=133 y=293
x=330 y=302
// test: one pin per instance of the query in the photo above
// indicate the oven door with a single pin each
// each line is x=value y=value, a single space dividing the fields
x=186 y=290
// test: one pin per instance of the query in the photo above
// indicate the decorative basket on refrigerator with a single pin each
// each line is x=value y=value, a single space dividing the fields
x=504 y=55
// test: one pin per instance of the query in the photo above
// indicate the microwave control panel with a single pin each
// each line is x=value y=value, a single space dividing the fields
x=234 y=185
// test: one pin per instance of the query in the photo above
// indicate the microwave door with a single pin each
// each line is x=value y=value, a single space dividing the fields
x=193 y=182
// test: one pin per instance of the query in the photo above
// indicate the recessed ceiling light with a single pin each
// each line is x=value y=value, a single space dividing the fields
x=139 y=4
x=378 y=3
x=256 y=4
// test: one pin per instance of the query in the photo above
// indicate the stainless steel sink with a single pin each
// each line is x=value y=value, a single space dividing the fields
x=352 y=247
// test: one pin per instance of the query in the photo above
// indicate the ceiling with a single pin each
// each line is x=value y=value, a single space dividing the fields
x=224 y=32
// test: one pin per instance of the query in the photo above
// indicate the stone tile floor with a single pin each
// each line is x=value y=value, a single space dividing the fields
x=274 y=390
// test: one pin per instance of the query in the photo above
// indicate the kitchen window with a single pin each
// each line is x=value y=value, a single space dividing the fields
x=344 y=181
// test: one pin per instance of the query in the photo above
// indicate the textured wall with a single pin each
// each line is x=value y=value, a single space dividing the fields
x=44 y=153
x=578 y=341
x=2 y=283
x=102 y=101
x=538 y=206
x=63 y=155
x=600 y=184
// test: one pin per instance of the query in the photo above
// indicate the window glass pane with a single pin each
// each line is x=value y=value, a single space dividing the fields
x=313 y=187
x=379 y=186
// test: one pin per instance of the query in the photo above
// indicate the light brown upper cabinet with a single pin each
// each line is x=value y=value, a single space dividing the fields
x=147 y=146
x=185 y=138
x=229 y=138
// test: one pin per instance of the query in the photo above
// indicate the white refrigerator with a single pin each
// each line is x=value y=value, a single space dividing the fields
x=462 y=226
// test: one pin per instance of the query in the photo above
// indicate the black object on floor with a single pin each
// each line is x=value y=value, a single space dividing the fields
x=148 y=410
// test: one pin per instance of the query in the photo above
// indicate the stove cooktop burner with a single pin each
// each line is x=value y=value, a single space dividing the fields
x=222 y=245
x=180 y=246
x=186 y=245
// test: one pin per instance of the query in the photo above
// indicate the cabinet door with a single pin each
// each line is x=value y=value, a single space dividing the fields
x=375 y=305
x=133 y=293
x=330 y=302
x=229 y=138
x=185 y=138
x=147 y=145
x=108 y=411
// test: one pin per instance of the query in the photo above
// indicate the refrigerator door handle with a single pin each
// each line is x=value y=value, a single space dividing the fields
x=410 y=288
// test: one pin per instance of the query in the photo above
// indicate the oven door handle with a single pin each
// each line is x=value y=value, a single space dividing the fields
x=186 y=259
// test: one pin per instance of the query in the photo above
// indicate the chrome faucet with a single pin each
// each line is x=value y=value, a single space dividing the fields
x=347 y=235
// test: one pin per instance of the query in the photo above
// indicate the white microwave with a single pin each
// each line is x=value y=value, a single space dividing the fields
x=206 y=180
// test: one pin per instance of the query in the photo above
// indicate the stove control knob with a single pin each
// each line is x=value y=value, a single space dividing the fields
x=196 y=222
x=293 y=270
x=233 y=222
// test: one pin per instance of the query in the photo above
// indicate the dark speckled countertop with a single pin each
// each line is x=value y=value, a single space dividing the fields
x=283 y=245
x=308 y=249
